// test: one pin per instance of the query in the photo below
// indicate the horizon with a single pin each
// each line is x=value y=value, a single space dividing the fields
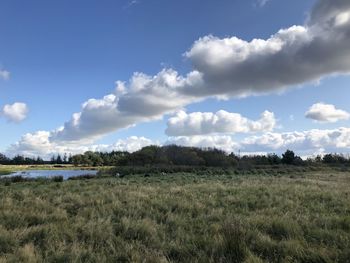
x=237 y=76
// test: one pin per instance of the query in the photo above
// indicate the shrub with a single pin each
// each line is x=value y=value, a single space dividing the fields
x=82 y=177
x=233 y=247
x=57 y=179
x=17 y=179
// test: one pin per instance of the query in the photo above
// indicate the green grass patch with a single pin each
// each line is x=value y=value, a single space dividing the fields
x=181 y=217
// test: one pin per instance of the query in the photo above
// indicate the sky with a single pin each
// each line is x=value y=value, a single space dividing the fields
x=254 y=76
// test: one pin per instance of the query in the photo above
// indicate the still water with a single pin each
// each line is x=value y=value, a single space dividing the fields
x=51 y=173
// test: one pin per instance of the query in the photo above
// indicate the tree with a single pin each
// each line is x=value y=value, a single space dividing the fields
x=4 y=159
x=288 y=157
x=59 y=159
x=18 y=160
x=273 y=158
x=92 y=159
x=65 y=158
x=77 y=159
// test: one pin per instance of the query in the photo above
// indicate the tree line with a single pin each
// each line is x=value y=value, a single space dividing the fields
x=87 y=159
x=173 y=155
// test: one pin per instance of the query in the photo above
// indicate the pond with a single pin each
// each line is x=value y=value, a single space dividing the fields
x=52 y=173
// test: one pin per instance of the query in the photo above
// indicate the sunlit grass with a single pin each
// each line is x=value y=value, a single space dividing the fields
x=303 y=217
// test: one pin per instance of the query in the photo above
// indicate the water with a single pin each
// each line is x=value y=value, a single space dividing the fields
x=52 y=173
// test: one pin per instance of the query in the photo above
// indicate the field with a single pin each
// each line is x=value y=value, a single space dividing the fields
x=296 y=217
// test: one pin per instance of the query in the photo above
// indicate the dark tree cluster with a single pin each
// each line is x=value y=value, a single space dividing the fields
x=90 y=158
x=58 y=159
x=178 y=155
x=19 y=159
x=191 y=156
x=87 y=159
x=173 y=155
x=334 y=159
x=22 y=160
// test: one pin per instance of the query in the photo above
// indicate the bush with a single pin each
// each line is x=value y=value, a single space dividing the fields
x=57 y=179
x=17 y=179
x=82 y=177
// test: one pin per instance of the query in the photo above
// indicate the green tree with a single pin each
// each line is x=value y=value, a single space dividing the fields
x=289 y=157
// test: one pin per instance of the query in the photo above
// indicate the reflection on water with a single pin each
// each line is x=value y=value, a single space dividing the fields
x=51 y=173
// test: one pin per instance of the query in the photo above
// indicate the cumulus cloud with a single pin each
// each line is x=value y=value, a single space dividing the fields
x=144 y=98
x=228 y=67
x=330 y=11
x=16 y=112
x=39 y=144
x=293 y=56
x=130 y=144
x=33 y=144
x=225 y=142
x=321 y=112
x=4 y=74
x=305 y=142
x=201 y=123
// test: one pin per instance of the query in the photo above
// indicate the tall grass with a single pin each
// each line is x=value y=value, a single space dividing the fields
x=178 y=218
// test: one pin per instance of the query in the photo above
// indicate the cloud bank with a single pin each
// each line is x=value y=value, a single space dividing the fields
x=321 y=112
x=305 y=143
x=202 y=123
x=39 y=144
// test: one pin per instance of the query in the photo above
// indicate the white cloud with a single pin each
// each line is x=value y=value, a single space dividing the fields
x=305 y=143
x=225 y=143
x=33 y=144
x=321 y=112
x=130 y=144
x=16 y=112
x=201 y=123
x=4 y=74
x=39 y=144
x=292 y=56
x=144 y=98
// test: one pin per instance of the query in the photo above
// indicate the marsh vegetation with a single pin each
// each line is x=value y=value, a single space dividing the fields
x=300 y=216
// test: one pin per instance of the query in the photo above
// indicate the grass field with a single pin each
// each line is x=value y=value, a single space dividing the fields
x=303 y=217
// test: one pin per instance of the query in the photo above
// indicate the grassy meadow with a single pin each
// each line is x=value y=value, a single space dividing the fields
x=295 y=217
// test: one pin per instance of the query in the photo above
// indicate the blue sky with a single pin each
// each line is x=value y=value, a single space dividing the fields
x=60 y=54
